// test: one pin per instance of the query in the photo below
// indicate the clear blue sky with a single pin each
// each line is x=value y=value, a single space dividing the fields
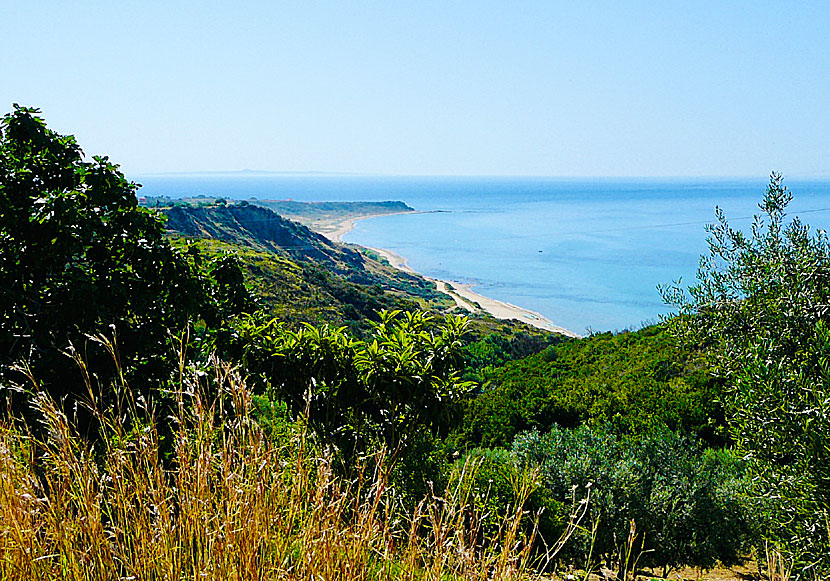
x=618 y=88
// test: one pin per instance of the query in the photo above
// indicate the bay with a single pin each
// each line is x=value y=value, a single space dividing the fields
x=586 y=253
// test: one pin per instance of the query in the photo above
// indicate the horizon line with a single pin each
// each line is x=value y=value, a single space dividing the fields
x=320 y=173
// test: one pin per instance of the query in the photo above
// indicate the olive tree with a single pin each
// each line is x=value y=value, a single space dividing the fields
x=761 y=308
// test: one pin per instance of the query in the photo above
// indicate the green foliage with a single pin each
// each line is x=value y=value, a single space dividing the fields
x=78 y=258
x=760 y=306
x=404 y=377
x=422 y=467
x=273 y=418
x=79 y=261
x=500 y=483
x=638 y=381
x=682 y=501
x=299 y=274
x=496 y=349
x=303 y=292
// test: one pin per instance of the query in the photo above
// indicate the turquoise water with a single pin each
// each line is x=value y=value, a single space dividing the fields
x=587 y=254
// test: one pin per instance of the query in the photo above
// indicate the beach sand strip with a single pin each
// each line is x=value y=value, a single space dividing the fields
x=461 y=293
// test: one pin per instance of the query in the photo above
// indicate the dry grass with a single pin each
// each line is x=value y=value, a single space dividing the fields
x=237 y=505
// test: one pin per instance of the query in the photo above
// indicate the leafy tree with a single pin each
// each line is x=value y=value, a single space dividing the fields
x=403 y=378
x=78 y=257
x=762 y=306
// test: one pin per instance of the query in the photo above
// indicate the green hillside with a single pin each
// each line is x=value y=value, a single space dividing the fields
x=299 y=275
x=636 y=381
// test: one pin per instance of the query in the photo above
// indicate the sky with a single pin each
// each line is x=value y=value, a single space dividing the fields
x=618 y=88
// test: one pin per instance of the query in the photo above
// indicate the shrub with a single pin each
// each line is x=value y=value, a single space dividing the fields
x=682 y=503
x=501 y=485
x=404 y=378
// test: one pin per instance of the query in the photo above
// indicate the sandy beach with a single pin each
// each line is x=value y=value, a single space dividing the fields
x=336 y=230
x=462 y=293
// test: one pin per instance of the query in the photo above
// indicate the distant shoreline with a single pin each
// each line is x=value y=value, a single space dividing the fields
x=340 y=228
x=461 y=293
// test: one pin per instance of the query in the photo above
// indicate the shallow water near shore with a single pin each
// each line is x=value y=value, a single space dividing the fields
x=587 y=254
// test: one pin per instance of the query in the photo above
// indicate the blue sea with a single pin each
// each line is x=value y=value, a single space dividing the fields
x=586 y=253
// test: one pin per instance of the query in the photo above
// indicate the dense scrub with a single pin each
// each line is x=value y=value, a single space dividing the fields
x=253 y=227
x=636 y=381
x=297 y=291
x=658 y=500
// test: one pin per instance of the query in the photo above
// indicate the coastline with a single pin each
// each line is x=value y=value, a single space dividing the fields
x=336 y=230
x=461 y=293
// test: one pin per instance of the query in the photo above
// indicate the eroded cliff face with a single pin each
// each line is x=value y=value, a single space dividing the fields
x=260 y=228
x=300 y=274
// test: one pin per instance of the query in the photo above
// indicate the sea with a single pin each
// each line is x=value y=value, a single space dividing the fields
x=588 y=254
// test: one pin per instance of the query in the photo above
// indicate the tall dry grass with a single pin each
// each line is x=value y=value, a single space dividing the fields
x=229 y=504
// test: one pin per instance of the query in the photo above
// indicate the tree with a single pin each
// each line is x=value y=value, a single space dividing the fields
x=761 y=308
x=403 y=378
x=78 y=258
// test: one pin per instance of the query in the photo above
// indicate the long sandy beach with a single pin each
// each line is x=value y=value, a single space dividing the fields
x=462 y=293
x=335 y=230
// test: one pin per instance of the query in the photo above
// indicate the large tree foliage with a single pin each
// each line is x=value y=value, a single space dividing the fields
x=79 y=258
x=405 y=377
x=761 y=306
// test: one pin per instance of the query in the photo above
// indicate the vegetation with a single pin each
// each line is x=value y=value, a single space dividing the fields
x=297 y=291
x=403 y=378
x=300 y=276
x=237 y=505
x=79 y=258
x=658 y=500
x=637 y=381
x=761 y=309
x=238 y=397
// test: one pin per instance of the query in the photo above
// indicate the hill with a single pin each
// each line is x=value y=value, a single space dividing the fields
x=327 y=217
x=635 y=381
x=300 y=275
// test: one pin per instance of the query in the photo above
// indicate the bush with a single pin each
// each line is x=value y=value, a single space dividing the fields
x=500 y=485
x=682 y=502
x=357 y=394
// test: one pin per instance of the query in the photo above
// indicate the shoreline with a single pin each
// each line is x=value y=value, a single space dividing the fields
x=462 y=293
x=343 y=227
